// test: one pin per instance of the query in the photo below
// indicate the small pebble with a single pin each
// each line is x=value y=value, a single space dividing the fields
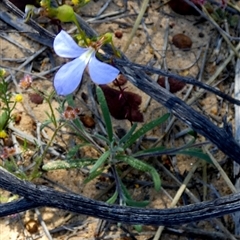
x=182 y=41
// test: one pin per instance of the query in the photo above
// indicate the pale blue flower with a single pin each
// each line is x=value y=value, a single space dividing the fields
x=70 y=74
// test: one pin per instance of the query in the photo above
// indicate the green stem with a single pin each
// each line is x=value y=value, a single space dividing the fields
x=53 y=117
x=20 y=173
x=81 y=32
x=39 y=159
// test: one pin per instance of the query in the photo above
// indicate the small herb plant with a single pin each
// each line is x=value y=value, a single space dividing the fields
x=116 y=151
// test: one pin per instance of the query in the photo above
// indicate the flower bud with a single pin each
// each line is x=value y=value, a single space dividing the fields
x=2 y=72
x=65 y=13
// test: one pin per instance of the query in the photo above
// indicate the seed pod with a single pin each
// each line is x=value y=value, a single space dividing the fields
x=118 y=34
x=32 y=226
x=88 y=121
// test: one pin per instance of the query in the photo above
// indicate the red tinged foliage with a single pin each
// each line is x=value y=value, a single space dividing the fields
x=174 y=84
x=120 y=80
x=123 y=104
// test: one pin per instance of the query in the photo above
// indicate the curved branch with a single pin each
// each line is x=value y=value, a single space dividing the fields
x=35 y=196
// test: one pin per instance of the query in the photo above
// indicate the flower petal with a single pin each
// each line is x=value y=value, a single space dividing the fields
x=101 y=73
x=65 y=46
x=69 y=77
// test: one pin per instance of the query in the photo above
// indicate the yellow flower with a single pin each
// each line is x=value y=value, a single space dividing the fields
x=3 y=134
x=75 y=2
x=18 y=98
x=81 y=3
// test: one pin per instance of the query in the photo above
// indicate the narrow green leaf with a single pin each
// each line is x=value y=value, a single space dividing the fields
x=145 y=128
x=136 y=163
x=4 y=118
x=61 y=164
x=129 y=201
x=101 y=137
x=138 y=228
x=100 y=161
x=105 y=112
x=128 y=134
x=113 y=198
x=156 y=179
x=93 y=175
x=196 y=153
x=25 y=145
x=157 y=151
x=172 y=151
x=193 y=133
x=153 y=151
x=45 y=124
x=125 y=191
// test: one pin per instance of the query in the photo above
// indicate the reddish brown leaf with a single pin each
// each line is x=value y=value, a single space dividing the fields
x=123 y=104
x=175 y=85
x=120 y=80
x=183 y=8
